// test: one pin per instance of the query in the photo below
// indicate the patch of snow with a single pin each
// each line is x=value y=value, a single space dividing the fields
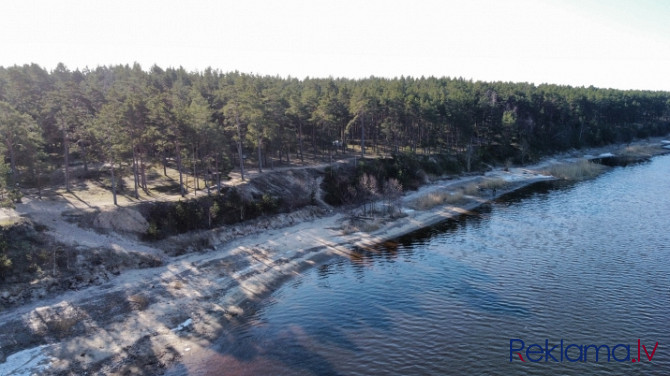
x=606 y=155
x=26 y=363
x=665 y=142
x=666 y=147
x=183 y=325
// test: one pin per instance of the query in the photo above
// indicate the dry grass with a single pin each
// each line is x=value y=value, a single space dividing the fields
x=636 y=151
x=361 y=225
x=471 y=189
x=62 y=326
x=496 y=183
x=177 y=285
x=583 y=169
x=138 y=302
x=433 y=199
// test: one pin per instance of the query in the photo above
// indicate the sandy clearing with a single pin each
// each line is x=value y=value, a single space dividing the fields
x=50 y=212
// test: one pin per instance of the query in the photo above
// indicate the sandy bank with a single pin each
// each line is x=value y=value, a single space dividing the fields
x=146 y=320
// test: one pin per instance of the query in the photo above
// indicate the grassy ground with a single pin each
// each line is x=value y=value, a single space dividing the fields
x=580 y=170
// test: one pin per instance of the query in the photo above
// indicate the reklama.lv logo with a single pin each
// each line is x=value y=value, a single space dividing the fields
x=576 y=353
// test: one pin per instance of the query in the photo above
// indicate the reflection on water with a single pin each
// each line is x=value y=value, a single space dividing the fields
x=585 y=262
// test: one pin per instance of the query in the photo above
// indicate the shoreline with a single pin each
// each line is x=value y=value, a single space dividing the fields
x=149 y=320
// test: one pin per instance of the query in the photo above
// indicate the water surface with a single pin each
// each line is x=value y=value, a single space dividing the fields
x=585 y=262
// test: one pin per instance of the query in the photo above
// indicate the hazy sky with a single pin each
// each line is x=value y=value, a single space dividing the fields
x=606 y=43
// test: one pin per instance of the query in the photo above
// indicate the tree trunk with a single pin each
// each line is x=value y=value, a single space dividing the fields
x=66 y=159
x=143 y=174
x=113 y=182
x=302 y=159
x=205 y=176
x=375 y=145
x=181 y=176
x=362 y=137
x=260 y=160
x=196 y=183
x=135 y=173
x=209 y=213
x=85 y=161
x=164 y=164
x=239 y=143
x=218 y=176
x=314 y=140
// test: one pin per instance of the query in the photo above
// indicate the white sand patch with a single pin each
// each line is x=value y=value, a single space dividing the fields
x=27 y=362
x=8 y=216
x=517 y=175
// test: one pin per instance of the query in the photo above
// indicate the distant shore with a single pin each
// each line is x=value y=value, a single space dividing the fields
x=144 y=321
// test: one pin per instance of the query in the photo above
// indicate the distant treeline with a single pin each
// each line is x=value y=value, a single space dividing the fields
x=203 y=122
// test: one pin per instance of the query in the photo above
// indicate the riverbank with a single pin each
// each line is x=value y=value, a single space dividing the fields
x=145 y=320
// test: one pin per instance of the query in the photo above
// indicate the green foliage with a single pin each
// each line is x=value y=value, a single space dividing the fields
x=203 y=122
x=4 y=175
x=19 y=250
x=509 y=118
x=21 y=143
x=214 y=210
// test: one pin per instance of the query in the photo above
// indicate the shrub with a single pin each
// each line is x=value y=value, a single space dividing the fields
x=169 y=218
x=5 y=265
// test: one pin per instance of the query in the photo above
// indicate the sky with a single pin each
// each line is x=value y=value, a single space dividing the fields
x=623 y=44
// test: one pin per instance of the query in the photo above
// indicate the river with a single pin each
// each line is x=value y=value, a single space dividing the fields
x=587 y=263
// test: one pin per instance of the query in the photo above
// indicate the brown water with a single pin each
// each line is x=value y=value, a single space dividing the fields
x=588 y=263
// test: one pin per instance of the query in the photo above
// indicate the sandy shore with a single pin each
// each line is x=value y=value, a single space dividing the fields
x=144 y=321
